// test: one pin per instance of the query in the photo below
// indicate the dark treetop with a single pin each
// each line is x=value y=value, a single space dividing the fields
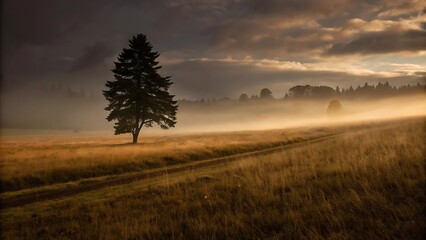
x=139 y=94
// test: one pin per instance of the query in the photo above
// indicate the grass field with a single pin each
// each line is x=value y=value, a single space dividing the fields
x=366 y=183
x=35 y=161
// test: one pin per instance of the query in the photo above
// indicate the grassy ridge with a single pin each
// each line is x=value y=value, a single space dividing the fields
x=363 y=185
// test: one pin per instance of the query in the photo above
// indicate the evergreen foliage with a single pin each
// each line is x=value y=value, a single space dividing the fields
x=139 y=95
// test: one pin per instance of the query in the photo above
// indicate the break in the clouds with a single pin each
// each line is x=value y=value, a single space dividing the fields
x=216 y=48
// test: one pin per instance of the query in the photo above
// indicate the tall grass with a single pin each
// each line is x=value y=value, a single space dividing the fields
x=362 y=185
x=39 y=161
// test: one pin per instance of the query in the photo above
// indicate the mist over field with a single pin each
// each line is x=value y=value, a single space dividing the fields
x=229 y=116
x=73 y=112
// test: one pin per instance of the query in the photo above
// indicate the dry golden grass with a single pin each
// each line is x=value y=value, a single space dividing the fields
x=43 y=160
x=366 y=184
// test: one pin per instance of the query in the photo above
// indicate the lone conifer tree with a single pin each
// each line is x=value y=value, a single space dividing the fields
x=139 y=95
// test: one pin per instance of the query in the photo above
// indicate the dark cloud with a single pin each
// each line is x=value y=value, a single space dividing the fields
x=259 y=39
x=275 y=28
x=289 y=9
x=92 y=55
x=382 y=42
x=41 y=22
x=41 y=38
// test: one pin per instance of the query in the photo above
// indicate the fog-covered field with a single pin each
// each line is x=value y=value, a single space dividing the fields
x=364 y=181
x=76 y=113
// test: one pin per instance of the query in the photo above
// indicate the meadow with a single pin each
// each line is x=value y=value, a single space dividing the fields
x=41 y=160
x=367 y=182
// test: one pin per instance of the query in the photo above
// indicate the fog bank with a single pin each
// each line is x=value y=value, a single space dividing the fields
x=79 y=111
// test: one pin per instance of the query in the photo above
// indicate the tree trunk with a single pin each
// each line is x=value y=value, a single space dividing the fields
x=137 y=131
x=135 y=136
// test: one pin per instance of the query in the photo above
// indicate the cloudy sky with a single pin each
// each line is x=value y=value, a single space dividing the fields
x=218 y=48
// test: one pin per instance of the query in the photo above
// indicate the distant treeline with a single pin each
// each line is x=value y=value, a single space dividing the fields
x=381 y=90
x=367 y=91
x=51 y=107
x=54 y=90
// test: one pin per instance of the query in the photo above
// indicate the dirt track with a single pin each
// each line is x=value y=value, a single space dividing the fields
x=29 y=198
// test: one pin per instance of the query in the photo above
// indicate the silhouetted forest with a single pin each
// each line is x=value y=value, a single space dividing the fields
x=309 y=92
x=380 y=90
x=55 y=90
x=51 y=106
